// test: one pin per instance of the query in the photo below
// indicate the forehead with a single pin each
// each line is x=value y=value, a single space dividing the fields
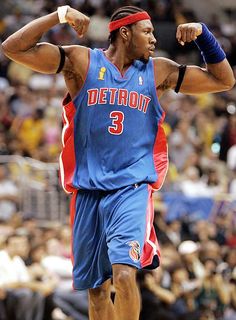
x=144 y=24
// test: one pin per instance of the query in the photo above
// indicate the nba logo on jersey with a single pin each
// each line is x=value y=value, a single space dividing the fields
x=140 y=80
x=101 y=73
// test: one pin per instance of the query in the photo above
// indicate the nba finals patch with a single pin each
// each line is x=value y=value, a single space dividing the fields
x=101 y=73
x=134 y=251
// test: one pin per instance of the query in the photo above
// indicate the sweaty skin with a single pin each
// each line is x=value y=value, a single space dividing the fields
x=134 y=42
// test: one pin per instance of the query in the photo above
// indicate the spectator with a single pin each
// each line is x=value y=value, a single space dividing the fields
x=215 y=293
x=51 y=133
x=22 y=101
x=155 y=297
x=72 y=303
x=173 y=232
x=21 y=301
x=30 y=132
x=180 y=144
x=191 y=185
x=47 y=281
x=189 y=251
x=184 y=290
x=228 y=138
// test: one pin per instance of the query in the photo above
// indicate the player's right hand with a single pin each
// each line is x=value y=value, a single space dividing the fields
x=78 y=21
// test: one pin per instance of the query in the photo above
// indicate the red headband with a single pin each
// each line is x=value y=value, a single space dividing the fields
x=114 y=25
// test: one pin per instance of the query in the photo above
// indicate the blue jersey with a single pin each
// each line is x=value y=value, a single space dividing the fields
x=111 y=129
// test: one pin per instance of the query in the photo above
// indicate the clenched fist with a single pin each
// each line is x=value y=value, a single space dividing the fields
x=78 y=21
x=188 y=32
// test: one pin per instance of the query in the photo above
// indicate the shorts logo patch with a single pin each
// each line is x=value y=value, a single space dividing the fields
x=134 y=251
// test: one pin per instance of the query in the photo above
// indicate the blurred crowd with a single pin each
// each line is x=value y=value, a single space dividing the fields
x=197 y=276
x=36 y=272
x=201 y=129
x=196 y=279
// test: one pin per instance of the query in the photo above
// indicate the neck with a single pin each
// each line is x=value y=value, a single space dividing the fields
x=119 y=57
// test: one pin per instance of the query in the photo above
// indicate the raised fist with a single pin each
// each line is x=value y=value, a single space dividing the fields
x=78 y=21
x=188 y=32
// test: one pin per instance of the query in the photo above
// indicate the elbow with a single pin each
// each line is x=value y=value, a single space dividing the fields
x=8 y=47
x=228 y=85
x=5 y=48
x=231 y=85
x=231 y=82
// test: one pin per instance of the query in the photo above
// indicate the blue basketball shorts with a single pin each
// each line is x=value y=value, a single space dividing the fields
x=111 y=227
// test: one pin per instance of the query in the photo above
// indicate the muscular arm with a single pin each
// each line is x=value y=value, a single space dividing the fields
x=215 y=77
x=23 y=48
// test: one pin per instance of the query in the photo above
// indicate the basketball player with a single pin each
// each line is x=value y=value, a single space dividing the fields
x=114 y=149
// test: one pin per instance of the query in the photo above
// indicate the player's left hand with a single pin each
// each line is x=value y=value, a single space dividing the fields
x=188 y=32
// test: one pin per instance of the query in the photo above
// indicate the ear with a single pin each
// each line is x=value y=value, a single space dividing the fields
x=125 y=33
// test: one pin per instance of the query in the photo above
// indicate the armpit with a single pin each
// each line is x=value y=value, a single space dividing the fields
x=69 y=75
x=164 y=85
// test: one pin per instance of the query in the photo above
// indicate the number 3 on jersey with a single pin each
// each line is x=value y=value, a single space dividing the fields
x=117 y=122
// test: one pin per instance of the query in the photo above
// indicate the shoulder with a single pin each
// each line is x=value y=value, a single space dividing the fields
x=165 y=66
x=77 y=59
x=166 y=72
x=74 y=50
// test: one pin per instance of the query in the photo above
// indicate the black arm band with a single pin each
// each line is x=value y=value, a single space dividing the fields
x=63 y=58
x=182 y=70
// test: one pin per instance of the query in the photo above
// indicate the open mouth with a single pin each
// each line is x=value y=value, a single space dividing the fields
x=152 y=49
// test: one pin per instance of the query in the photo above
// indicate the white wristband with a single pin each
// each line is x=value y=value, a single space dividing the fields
x=61 y=11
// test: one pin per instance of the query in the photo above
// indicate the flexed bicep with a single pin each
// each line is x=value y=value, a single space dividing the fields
x=193 y=79
x=43 y=58
x=23 y=46
x=214 y=78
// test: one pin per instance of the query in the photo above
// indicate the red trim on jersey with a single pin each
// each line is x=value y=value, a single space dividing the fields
x=67 y=156
x=67 y=161
x=72 y=219
x=160 y=156
x=132 y=18
x=151 y=247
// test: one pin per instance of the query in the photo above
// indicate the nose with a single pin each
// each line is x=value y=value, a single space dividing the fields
x=153 y=39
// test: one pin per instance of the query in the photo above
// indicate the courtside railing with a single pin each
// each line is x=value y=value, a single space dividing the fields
x=40 y=193
x=42 y=197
